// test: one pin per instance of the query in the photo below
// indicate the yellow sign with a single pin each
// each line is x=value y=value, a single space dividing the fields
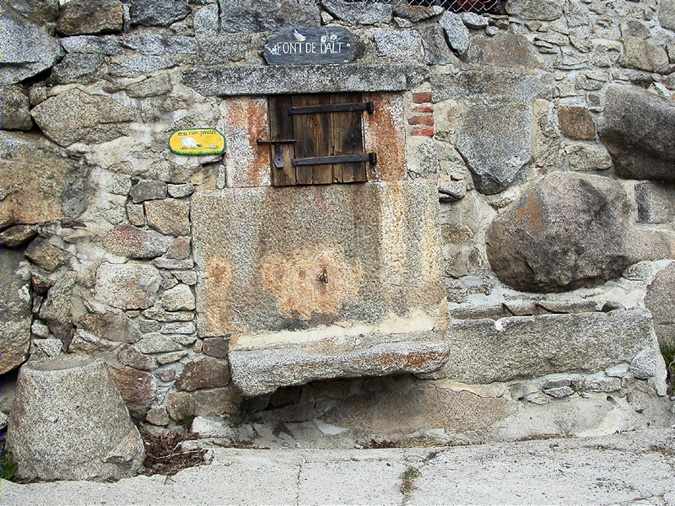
x=197 y=142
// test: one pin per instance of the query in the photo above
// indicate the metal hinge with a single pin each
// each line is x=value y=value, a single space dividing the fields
x=330 y=160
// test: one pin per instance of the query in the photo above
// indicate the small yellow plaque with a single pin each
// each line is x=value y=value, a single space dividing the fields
x=197 y=142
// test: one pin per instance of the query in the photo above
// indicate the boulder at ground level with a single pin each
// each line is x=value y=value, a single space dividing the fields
x=639 y=133
x=69 y=422
x=566 y=231
x=15 y=312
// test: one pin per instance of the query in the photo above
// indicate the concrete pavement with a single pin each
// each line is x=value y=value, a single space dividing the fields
x=632 y=468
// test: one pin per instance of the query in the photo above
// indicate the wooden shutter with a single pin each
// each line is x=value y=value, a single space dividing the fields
x=306 y=128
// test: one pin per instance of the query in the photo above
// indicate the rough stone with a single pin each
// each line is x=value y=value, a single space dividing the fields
x=267 y=15
x=132 y=242
x=137 y=388
x=667 y=14
x=576 y=123
x=147 y=190
x=15 y=236
x=179 y=191
x=216 y=347
x=660 y=300
x=57 y=309
x=73 y=397
x=456 y=32
x=205 y=20
x=283 y=79
x=151 y=87
x=504 y=50
x=399 y=45
x=79 y=17
x=656 y=202
x=539 y=10
x=645 y=364
x=112 y=325
x=169 y=216
x=25 y=49
x=127 y=286
x=44 y=254
x=585 y=157
x=644 y=55
x=14 y=112
x=494 y=137
x=158 y=12
x=202 y=373
x=566 y=231
x=532 y=346
x=474 y=21
x=157 y=343
x=77 y=68
x=639 y=133
x=15 y=312
x=360 y=13
x=178 y=298
x=415 y=13
x=39 y=11
x=76 y=116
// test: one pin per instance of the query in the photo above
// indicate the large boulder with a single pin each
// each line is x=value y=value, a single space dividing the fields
x=660 y=300
x=38 y=182
x=69 y=422
x=566 y=231
x=15 y=312
x=25 y=48
x=639 y=133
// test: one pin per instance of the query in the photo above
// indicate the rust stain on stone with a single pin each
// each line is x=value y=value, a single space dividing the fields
x=218 y=281
x=385 y=134
x=531 y=212
x=247 y=118
x=311 y=281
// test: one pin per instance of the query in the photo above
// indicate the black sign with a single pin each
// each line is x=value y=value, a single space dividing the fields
x=312 y=46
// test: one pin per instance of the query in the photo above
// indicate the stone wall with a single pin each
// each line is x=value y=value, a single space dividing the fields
x=548 y=131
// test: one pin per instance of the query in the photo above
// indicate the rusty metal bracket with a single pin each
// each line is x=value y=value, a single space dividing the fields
x=330 y=160
x=278 y=159
x=369 y=107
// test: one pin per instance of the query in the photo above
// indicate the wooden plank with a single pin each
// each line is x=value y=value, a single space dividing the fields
x=347 y=138
x=281 y=127
x=312 y=133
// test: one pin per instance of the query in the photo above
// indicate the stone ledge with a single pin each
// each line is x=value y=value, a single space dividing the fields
x=261 y=370
x=280 y=79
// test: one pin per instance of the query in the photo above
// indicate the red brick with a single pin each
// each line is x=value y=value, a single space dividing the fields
x=422 y=98
x=427 y=120
x=423 y=132
x=423 y=108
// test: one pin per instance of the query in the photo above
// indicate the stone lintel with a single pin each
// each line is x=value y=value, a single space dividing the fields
x=259 y=370
x=281 y=79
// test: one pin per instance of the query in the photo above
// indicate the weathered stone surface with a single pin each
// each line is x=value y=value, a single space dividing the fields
x=215 y=347
x=157 y=343
x=540 y=10
x=566 y=231
x=25 y=49
x=202 y=373
x=660 y=300
x=456 y=32
x=205 y=20
x=169 y=216
x=667 y=14
x=504 y=50
x=92 y=44
x=639 y=133
x=178 y=298
x=279 y=285
x=150 y=87
x=70 y=423
x=127 y=286
x=258 y=371
x=15 y=312
x=531 y=346
x=44 y=254
x=267 y=15
x=132 y=242
x=586 y=157
x=15 y=236
x=137 y=388
x=38 y=11
x=362 y=13
x=78 y=17
x=77 y=68
x=494 y=137
x=416 y=13
x=158 y=12
x=644 y=54
x=112 y=325
x=399 y=45
x=147 y=190
x=14 y=113
x=57 y=309
x=576 y=123
x=656 y=202
x=280 y=79
x=76 y=116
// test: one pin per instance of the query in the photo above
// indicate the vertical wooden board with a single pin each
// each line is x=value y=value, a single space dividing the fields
x=312 y=132
x=347 y=138
x=281 y=127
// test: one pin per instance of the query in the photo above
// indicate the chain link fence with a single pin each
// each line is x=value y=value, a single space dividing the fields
x=478 y=6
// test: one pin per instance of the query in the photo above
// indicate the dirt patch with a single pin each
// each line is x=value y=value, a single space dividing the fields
x=163 y=453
